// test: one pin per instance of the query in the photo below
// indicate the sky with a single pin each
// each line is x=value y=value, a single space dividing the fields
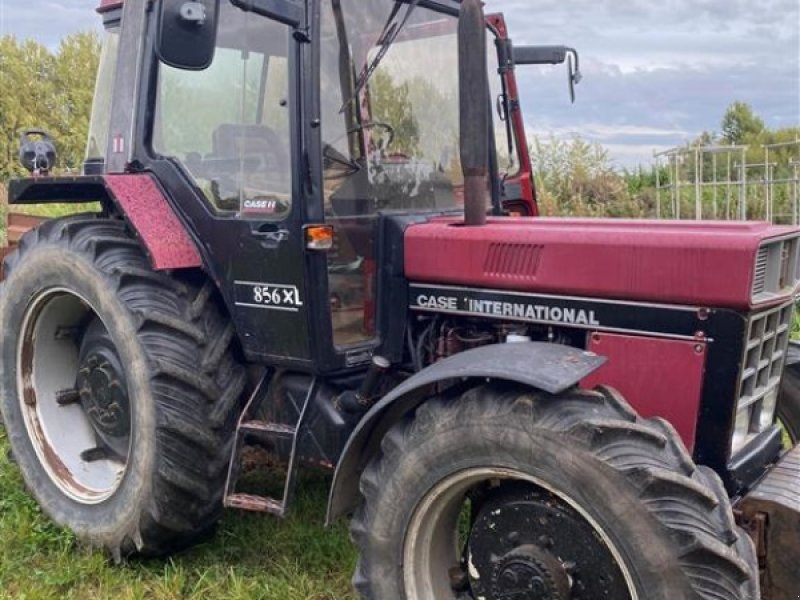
x=656 y=72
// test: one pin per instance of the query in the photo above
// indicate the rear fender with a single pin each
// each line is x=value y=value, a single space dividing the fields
x=138 y=197
x=551 y=368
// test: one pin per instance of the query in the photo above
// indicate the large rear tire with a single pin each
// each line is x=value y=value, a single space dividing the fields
x=119 y=388
x=569 y=496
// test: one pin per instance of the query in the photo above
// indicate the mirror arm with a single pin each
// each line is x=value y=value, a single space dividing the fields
x=283 y=11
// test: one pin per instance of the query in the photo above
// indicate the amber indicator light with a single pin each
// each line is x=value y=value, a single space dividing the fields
x=319 y=237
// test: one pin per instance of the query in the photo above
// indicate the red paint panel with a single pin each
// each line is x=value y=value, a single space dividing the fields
x=659 y=378
x=107 y=5
x=694 y=263
x=164 y=236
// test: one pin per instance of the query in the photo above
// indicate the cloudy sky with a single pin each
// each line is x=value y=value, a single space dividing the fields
x=656 y=72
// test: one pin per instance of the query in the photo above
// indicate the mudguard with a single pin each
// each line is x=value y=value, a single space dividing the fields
x=137 y=196
x=165 y=238
x=551 y=368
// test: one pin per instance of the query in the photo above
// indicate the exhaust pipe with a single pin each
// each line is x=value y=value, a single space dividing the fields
x=474 y=93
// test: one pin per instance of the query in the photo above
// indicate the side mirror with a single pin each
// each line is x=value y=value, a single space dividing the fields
x=539 y=55
x=187 y=33
x=551 y=55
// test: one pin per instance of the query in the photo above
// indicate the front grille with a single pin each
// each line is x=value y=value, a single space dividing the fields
x=776 y=269
x=767 y=341
x=762 y=367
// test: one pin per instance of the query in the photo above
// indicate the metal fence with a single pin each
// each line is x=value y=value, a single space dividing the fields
x=730 y=182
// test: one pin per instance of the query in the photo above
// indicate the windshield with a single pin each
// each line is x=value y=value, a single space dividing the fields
x=391 y=141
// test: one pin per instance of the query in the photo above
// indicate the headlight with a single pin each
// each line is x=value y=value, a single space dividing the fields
x=741 y=429
x=768 y=407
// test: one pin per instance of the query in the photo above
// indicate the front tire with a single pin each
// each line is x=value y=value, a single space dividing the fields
x=120 y=389
x=789 y=398
x=635 y=518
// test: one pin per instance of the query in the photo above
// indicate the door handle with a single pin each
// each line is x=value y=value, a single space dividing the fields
x=272 y=233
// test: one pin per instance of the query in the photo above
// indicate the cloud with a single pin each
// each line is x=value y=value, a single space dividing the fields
x=659 y=73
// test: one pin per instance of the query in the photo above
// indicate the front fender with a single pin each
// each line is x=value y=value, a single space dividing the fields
x=551 y=368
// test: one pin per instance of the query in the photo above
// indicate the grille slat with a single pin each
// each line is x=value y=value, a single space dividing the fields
x=762 y=262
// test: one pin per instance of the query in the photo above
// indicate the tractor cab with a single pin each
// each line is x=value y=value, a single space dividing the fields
x=272 y=127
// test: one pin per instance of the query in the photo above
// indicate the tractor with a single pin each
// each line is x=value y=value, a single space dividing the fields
x=318 y=237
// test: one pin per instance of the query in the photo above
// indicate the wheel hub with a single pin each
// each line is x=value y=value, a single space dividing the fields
x=103 y=392
x=530 y=573
x=527 y=544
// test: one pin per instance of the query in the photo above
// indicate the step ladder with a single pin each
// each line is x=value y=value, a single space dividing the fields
x=249 y=426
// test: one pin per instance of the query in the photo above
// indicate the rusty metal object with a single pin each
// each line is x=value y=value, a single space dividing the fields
x=18 y=225
x=254 y=503
x=474 y=89
x=771 y=514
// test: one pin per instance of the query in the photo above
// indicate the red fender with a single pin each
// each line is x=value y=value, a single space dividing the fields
x=165 y=238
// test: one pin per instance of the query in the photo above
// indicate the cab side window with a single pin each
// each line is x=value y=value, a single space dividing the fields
x=229 y=124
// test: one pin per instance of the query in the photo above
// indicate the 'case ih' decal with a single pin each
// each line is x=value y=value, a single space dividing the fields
x=270 y=296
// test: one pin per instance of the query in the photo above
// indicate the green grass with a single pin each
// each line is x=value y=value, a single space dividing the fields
x=251 y=556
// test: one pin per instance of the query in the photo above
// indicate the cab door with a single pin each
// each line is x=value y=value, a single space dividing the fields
x=224 y=143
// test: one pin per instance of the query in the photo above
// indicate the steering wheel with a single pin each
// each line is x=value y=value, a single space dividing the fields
x=375 y=125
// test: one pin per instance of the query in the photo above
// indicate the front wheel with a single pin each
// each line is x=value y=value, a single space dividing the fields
x=503 y=493
x=789 y=398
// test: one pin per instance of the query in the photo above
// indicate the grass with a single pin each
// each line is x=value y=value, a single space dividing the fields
x=251 y=556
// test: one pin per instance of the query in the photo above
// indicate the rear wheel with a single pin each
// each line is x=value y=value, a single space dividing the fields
x=119 y=388
x=506 y=494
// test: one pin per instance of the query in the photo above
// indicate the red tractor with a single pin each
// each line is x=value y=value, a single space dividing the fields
x=318 y=235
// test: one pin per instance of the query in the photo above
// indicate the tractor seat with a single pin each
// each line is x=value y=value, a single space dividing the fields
x=233 y=141
x=264 y=147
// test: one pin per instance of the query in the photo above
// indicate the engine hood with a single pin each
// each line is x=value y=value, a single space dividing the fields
x=705 y=264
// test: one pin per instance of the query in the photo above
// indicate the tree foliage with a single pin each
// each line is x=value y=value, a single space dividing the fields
x=577 y=178
x=740 y=124
x=50 y=90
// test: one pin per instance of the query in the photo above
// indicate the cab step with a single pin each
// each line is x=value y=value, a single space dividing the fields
x=268 y=429
x=249 y=427
x=252 y=503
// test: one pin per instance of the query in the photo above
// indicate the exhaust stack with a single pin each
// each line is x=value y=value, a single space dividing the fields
x=474 y=94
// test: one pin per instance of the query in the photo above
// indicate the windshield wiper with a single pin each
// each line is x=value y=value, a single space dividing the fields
x=387 y=37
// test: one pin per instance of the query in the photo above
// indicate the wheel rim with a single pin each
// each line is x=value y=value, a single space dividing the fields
x=434 y=565
x=73 y=396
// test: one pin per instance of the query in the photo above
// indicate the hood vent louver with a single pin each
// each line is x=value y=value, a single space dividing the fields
x=513 y=261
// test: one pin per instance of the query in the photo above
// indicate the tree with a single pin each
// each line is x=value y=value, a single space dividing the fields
x=391 y=103
x=576 y=177
x=740 y=124
x=46 y=90
x=74 y=78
